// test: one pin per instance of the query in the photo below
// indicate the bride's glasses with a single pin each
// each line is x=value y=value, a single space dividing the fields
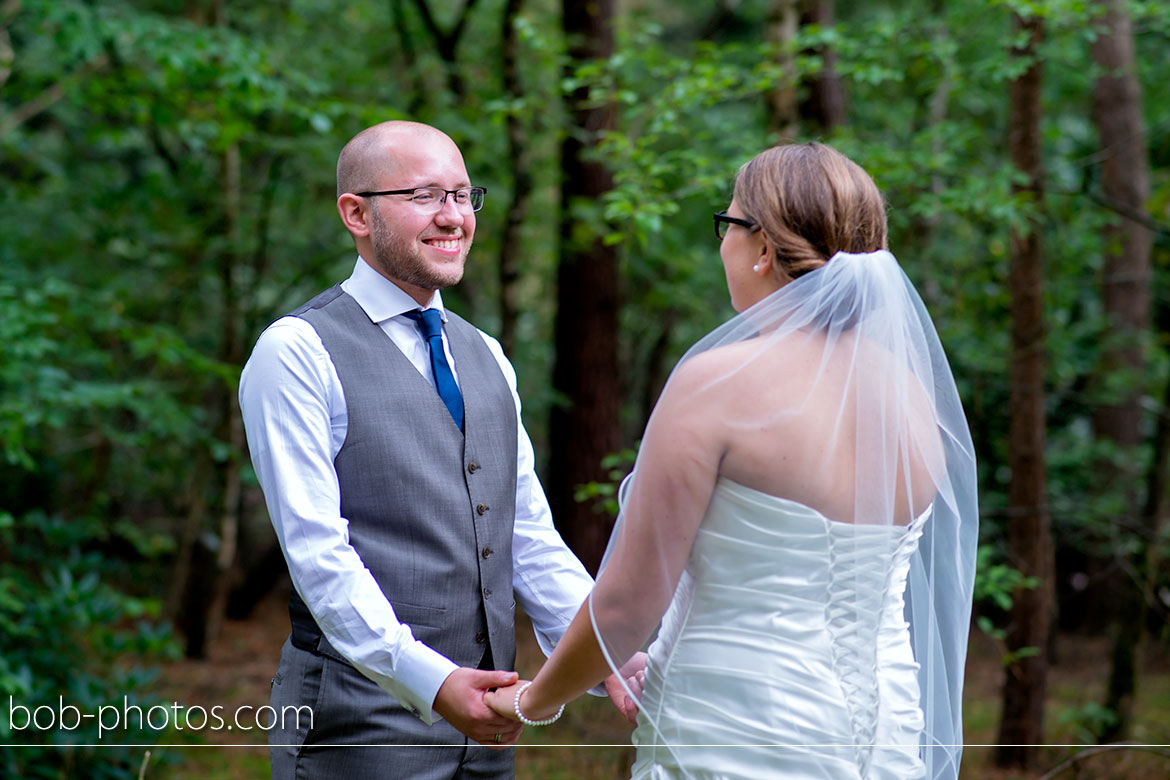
x=722 y=221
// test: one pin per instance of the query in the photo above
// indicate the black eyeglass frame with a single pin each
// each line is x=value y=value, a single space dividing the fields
x=722 y=219
x=442 y=201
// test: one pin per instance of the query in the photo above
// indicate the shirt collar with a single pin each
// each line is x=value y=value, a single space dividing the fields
x=381 y=298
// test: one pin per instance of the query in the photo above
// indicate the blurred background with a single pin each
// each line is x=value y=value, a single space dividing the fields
x=167 y=189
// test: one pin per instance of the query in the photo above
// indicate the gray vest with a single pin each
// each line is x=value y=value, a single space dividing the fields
x=430 y=508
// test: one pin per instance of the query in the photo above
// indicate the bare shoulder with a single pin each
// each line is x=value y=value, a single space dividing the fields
x=708 y=367
x=689 y=404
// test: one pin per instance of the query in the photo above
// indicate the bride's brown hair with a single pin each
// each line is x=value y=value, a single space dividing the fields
x=811 y=202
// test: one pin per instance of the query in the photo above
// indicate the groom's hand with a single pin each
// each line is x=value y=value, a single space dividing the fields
x=460 y=701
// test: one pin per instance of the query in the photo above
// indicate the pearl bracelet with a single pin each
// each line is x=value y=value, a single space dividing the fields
x=529 y=721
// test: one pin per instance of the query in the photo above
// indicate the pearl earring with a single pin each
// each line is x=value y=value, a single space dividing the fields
x=756 y=267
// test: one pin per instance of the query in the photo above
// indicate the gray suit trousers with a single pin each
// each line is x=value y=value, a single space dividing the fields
x=357 y=731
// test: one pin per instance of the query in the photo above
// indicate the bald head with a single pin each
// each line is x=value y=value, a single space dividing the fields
x=371 y=156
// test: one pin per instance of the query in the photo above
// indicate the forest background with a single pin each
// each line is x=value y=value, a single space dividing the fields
x=168 y=188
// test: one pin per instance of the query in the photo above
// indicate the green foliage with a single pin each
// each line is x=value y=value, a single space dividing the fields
x=167 y=190
x=68 y=361
x=1090 y=721
x=995 y=581
x=70 y=641
x=995 y=584
x=604 y=493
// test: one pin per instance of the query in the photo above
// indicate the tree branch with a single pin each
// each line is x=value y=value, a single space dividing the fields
x=446 y=41
x=1092 y=751
x=429 y=21
x=465 y=14
x=44 y=101
x=8 y=12
x=1141 y=217
x=7 y=56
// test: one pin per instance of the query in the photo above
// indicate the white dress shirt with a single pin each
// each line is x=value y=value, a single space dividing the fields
x=295 y=415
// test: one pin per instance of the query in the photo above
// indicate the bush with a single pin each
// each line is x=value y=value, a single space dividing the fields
x=72 y=648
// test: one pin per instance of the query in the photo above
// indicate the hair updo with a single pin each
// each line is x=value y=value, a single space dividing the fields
x=811 y=202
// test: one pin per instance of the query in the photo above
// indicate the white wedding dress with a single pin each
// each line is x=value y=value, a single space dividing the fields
x=785 y=652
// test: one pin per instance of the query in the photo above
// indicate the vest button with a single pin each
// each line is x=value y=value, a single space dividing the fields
x=480 y=638
x=472 y=467
x=481 y=508
x=487 y=552
x=487 y=592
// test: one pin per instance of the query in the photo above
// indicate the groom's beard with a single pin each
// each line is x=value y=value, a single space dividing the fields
x=399 y=258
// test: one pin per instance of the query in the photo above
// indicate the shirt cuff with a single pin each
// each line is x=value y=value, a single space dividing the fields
x=420 y=673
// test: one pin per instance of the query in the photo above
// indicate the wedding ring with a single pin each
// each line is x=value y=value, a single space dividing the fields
x=497 y=737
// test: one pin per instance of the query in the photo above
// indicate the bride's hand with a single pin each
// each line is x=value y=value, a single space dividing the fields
x=503 y=700
x=633 y=672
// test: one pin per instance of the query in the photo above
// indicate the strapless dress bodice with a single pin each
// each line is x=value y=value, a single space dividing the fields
x=785 y=651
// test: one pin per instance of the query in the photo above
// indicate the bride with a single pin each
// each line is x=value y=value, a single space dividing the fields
x=800 y=526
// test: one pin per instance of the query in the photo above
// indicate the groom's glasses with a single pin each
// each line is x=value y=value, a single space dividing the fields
x=722 y=221
x=430 y=200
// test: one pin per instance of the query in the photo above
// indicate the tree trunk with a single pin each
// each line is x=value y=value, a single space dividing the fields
x=1157 y=507
x=783 y=111
x=925 y=226
x=417 y=101
x=194 y=509
x=447 y=43
x=509 y=273
x=583 y=427
x=1125 y=181
x=265 y=572
x=8 y=11
x=209 y=560
x=232 y=425
x=1030 y=546
x=824 y=104
x=657 y=368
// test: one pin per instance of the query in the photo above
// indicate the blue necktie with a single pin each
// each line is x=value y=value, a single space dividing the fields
x=431 y=323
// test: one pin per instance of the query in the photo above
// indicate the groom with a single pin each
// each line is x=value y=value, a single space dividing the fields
x=386 y=435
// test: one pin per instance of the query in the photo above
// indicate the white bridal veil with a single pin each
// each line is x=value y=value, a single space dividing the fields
x=846 y=360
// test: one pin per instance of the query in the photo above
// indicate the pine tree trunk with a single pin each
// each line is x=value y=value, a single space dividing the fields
x=1030 y=545
x=447 y=45
x=8 y=11
x=1125 y=183
x=210 y=557
x=783 y=111
x=509 y=273
x=232 y=425
x=583 y=426
x=824 y=104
